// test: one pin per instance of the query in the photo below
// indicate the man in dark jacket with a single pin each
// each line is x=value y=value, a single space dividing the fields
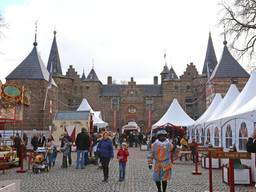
x=82 y=146
x=251 y=144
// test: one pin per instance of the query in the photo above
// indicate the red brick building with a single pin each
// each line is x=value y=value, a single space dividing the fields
x=118 y=103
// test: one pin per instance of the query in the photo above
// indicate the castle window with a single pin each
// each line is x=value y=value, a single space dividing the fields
x=228 y=136
x=132 y=109
x=149 y=103
x=176 y=87
x=114 y=103
x=188 y=87
x=243 y=136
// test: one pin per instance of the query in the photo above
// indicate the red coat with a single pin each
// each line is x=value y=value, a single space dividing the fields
x=122 y=155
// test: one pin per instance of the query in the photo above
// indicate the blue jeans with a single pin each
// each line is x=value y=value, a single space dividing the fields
x=86 y=158
x=80 y=158
x=122 y=166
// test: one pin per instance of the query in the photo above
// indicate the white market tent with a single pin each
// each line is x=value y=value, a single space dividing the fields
x=85 y=106
x=97 y=120
x=212 y=125
x=246 y=94
x=210 y=110
x=175 y=115
x=226 y=102
x=197 y=130
x=131 y=126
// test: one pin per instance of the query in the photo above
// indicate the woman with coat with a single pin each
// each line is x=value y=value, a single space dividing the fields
x=106 y=152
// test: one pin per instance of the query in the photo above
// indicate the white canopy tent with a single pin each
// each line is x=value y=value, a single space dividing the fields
x=226 y=102
x=197 y=130
x=131 y=126
x=175 y=115
x=210 y=110
x=97 y=119
x=212 y=125
x=246 y=94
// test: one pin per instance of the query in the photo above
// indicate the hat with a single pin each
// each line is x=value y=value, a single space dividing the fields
x=124 y=143
x=161 y=132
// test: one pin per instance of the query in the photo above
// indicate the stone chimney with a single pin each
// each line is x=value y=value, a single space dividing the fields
x=109 y=80
x=155 y=80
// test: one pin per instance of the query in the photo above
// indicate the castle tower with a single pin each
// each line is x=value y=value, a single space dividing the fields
x=33 y=75
x=210 y=60
x=54 y=58
x=83 y=78
x=228 y=71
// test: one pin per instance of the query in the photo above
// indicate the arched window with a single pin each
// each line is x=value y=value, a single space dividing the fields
x=208 y=137
x=228 y=136
x=243 y=136
x=216 y=137
x=197 y=135
x=202 y=136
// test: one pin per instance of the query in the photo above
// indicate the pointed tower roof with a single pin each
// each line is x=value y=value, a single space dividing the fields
x=92 y=76
x=32 y=67
x=210 y=60
x=165 y=70
x=172 y=75
x=54 y=58
x=228 y=67
x=83 y=76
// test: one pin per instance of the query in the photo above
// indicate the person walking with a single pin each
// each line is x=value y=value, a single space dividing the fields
x=193 y=148
x=82 y=144
x=106 y=152
x=160 y=155
x=122 y=156
x=66 y=136
x=65 y=150
x=34 y=142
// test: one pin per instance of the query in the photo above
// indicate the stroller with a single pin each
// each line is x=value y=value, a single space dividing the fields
x=40 y=160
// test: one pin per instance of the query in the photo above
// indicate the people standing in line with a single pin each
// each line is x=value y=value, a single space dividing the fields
x=82 y=145
x=34 y=142
x=130 y=139
x=17 y=145
x=41 y=140
x=160 y=155
x=122 y=156
x=65 y=150
x=193 y=148
x=106 y=152
x=66 y=136
x=184 y=148
x=25 y=139
x=49 y=146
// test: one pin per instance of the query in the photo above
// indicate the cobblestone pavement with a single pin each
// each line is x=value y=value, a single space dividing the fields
x=138 y=178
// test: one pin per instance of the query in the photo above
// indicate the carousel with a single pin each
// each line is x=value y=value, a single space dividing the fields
x=12 y=101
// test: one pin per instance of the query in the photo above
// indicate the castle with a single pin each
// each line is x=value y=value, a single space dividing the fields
x=120 y=103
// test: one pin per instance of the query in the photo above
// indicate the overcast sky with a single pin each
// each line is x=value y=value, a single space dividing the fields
x=125 y=38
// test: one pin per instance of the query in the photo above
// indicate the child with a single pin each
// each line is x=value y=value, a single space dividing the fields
x=65 y=149
x=54 y=155
x=122 y=156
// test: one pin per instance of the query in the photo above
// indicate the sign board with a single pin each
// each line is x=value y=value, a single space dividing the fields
x=230 y=155
x=206 y=149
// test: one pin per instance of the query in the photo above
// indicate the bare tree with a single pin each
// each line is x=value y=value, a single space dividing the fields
x=239 y=21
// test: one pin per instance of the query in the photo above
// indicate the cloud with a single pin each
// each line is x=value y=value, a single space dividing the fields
x=126 y=38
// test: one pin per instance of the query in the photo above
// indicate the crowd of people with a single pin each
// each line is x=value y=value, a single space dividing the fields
x=98 y=148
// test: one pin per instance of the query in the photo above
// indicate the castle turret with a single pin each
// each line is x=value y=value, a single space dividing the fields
x=54 y=58
x=210 y=60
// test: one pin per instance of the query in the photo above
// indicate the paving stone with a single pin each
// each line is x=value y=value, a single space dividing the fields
x=138 y=178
